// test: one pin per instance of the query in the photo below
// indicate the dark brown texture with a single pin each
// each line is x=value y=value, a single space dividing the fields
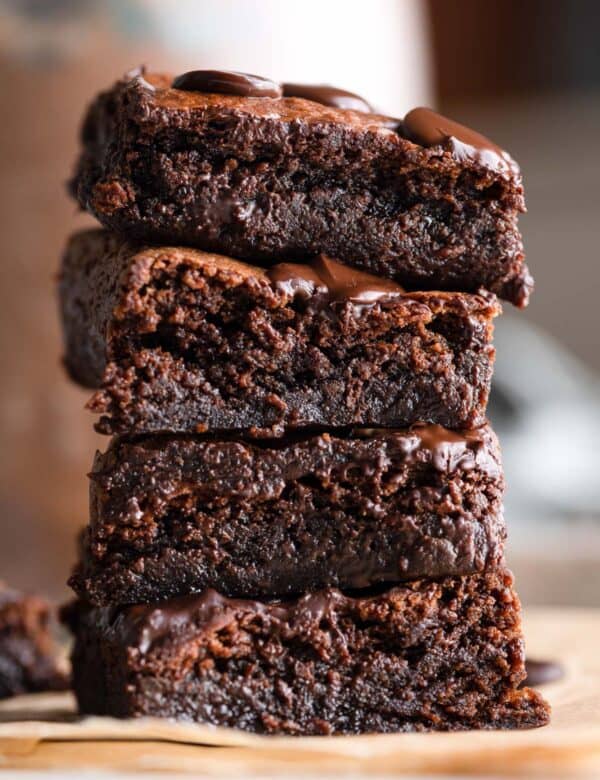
x=171 y=516
x=180 y=340
x=264 y=179
x=28 y=655
x=444 y=655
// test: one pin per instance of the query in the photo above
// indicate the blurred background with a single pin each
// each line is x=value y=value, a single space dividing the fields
x=524 y=72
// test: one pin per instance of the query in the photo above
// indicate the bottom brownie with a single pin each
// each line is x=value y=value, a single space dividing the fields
x=28 y=661
x=428 y=655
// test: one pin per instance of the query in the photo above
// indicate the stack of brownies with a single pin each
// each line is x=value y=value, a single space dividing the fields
x=297 y=526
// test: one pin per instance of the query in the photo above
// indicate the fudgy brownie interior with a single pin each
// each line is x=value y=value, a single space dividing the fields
x=172 y=515
x=180 y=340
x=443 y=655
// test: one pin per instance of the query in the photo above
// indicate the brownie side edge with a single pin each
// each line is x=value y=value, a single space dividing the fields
x=179 y=340
x=172 y=515
x=445 y=655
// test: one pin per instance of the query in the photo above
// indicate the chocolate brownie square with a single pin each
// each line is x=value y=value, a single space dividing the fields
x=266 y=174
x=171 y=515
x=28 y=655
x=424 y=201
x=179 y=340
x=429 y=655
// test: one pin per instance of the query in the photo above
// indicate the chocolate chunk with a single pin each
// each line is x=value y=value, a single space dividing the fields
x=328 y=96
x=227 y=82
x=336 y=281
x=430 y=129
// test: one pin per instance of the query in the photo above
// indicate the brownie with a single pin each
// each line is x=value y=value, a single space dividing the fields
x=429 y=655
x=424 y=201
x=178 y=340
x=171 y=516
x=28 y=655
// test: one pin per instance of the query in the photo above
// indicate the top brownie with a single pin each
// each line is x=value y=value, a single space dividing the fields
x=258 y=173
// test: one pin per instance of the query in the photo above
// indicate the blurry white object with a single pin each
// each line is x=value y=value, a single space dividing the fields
x=546 y=410
x=379 y=49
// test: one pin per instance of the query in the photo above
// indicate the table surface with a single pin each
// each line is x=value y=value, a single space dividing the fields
x=42 y=732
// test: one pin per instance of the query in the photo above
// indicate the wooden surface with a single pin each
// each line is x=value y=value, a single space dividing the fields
x=42 y=732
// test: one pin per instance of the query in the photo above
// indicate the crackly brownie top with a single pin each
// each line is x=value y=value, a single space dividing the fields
x=244 y=93
x=321 y=281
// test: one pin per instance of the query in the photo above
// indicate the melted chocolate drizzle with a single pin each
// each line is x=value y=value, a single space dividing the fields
x=427 y=128
x=145 y=625
x=448 y=451
x=328 y=96
x=332 y=280
x=227 y=82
